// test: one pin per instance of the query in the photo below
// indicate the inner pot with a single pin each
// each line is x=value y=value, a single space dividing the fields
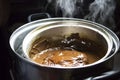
x=62 y=30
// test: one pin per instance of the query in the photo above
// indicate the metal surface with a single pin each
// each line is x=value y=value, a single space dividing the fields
x=28 y=70
x=62 y=28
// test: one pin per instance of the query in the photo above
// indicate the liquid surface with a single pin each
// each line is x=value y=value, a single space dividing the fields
x=69 y=51
x=64 y=58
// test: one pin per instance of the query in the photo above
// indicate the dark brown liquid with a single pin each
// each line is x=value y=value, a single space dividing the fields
x=69 y=51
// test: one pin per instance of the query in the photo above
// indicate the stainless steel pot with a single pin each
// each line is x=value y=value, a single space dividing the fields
x=30 y=70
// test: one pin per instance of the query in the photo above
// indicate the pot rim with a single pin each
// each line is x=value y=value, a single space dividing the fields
x=30 y=37
x=115 y=40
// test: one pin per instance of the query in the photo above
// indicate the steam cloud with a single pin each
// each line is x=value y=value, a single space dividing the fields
x=68 y=7
x=101 y=11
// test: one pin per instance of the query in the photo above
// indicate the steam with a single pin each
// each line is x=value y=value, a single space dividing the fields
x=68 y=7
x=49 y=1
x=102 y=11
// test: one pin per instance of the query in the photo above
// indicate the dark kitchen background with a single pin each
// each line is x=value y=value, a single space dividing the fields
x=14 y=13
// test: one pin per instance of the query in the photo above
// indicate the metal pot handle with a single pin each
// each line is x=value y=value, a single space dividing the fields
x=38 y=16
